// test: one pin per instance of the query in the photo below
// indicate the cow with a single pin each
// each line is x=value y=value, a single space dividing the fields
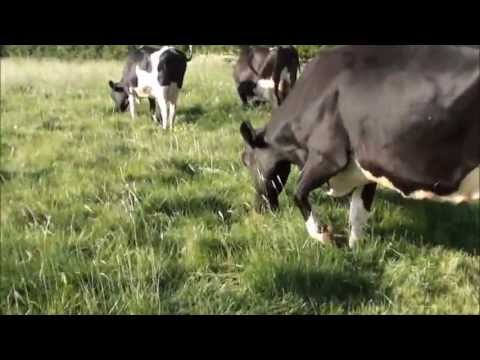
x=156 y=74
x=406 y=118
x=266 y=74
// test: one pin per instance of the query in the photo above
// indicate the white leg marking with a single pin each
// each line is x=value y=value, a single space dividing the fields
x=285 y=75
x=161 y=96
x=358 y=217
x=313 y=229
x=171 y=113
x=164 y=111
x=265 y=90
x=285 y=84
x=131 y=102
x=172 y=99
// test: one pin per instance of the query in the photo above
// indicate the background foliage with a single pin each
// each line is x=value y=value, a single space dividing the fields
x=110 y=52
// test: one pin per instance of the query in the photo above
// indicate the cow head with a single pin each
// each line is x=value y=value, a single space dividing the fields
x=266 y=165
x=119 y=96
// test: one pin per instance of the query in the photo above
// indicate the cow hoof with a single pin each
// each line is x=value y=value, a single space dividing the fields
x=326 y=235
x=353 y=242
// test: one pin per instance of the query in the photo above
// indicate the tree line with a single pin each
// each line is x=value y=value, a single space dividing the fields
x=117 y=52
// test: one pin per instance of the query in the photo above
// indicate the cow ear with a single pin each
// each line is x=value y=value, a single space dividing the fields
x=251 y=137
x=115 y=87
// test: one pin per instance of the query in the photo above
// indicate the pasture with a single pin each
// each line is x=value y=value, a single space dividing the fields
x=102 y=215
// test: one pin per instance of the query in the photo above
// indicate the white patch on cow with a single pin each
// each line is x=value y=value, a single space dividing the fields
x=354 y=176
x=285 y=75
x=142 y=92
x=345 y=182
x=358 y=217
x=467 y=192
x=284 y=80
x=265 y=89
x=131 y=103
x=313 y=230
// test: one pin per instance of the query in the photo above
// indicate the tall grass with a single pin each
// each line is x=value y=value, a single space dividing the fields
x=102 y=215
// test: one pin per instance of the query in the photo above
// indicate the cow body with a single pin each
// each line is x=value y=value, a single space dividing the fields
x=264 y=74
x=156 y=74
x=403 y=117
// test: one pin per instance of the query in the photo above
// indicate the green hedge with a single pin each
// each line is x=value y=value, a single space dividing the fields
x=119 y=51
x=67 y=51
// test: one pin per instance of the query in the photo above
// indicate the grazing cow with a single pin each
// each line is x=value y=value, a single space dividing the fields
x=156 y=74
x=403 y=117
x=263 y=74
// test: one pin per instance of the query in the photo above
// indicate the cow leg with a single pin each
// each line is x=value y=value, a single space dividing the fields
x=172 y=114
x=314 y=175
x=131 y=103
x=362 y=200
x=161 y=96
x=164 y=112
x=277 y=100
x=243 y=96
x=173 y=98
x=153 y=108
x=282 y=80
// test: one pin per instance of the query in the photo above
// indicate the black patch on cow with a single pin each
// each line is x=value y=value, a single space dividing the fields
x=368 y=195
x=146 y=64
x=172 y=67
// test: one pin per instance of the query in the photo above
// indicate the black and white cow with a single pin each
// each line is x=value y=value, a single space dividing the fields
x=156 y=74
x=403 y=117
x=266 y=74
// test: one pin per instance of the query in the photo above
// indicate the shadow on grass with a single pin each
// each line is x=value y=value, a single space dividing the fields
x=213 y=116
x=184 y=167
x=344 y=280
x=184 y=171
x=196 y=207
x=191 y=114
x=455 y=227
x=176 y=171
x=424 y=222
x=53 y=123
x=155 y=217
x=346 y=288
x=6 y=175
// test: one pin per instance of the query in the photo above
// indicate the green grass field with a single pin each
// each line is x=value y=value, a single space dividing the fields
x=102 y=215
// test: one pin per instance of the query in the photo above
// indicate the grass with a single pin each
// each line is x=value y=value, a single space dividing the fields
x=102 y=215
